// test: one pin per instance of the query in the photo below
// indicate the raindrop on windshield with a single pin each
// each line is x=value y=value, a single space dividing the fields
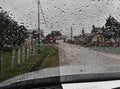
x=80 y=11
x=63 y=12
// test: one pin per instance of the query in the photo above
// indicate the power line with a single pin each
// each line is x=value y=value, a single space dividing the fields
x=43 y=15
x=24 y=9
x=18 y=15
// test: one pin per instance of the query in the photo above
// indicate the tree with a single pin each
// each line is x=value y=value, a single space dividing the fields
x=112 y=28
x=11 y=33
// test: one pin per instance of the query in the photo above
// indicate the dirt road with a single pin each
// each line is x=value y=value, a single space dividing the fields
x=87 y=60
x=76 y=55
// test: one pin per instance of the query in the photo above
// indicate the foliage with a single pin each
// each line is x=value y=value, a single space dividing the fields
x=51 y=61
x=10 y=32
x=110 y=30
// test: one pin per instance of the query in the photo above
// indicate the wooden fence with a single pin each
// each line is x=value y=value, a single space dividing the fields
x=19 y=55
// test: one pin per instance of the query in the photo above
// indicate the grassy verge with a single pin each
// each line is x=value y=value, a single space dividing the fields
x=51 y=61
x=111 y=50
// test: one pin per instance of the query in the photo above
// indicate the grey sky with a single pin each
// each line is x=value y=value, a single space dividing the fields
x=62 y=14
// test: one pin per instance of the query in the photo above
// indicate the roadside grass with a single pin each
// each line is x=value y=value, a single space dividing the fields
x=51 y=61
x=111 y=50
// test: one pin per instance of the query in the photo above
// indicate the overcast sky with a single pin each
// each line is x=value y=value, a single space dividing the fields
x=62 y=14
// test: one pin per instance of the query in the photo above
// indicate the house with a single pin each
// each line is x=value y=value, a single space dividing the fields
x=86 y=38
x=97 y=36
x=98 y=39
x=78 y=39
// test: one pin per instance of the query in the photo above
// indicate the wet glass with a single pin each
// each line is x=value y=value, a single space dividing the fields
x=58 y=37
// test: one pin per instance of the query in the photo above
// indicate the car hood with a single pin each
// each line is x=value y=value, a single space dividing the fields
x=66 y=74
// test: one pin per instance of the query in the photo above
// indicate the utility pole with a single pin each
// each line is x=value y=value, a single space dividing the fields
x=39 y=36
x=71 y=33
x=83 y=32
x=39 y=15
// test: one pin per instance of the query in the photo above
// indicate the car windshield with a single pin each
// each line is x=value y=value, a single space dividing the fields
x=45 y=38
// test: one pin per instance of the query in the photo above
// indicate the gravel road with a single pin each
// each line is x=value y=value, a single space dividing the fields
x=76 y=55
x=86 y=60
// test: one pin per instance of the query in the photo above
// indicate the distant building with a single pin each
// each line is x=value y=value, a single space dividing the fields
x=98 y=39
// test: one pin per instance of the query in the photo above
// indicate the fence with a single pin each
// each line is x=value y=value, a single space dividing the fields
x=17 y=56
